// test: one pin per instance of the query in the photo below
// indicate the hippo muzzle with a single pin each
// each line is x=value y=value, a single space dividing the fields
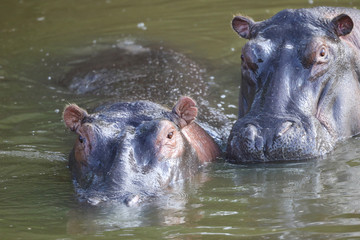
x=266 y=139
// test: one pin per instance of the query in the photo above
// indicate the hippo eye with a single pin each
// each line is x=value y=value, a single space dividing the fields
x=81 y=139
x=242 y=57
x=170 y=135
x=322 y=52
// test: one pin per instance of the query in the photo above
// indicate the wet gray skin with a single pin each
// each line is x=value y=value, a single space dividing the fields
x=300 y=89
x=133 y=151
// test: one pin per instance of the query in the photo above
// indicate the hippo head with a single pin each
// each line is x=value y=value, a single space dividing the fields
x=300 y=85
x=132 y=150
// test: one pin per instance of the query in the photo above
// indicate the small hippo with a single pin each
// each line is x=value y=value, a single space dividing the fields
x=130 y=151
x=300 y=90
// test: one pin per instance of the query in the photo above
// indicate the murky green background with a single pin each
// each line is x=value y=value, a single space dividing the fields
x=310 y=200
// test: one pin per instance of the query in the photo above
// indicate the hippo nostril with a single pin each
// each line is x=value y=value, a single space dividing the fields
x=284 y=128
x=132 y=200
x=252 y=137
x=250 y=132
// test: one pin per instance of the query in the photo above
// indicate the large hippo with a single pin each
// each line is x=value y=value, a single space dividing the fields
x=300 y=89
x=130 y=151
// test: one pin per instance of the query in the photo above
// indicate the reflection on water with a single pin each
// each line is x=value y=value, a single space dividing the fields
x=306 y=200
x=168 y=209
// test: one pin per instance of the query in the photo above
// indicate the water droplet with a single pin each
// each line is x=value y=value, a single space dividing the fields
x=141 y=26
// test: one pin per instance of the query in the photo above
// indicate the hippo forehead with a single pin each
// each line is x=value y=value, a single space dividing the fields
x=292 y=27
x=110 y=119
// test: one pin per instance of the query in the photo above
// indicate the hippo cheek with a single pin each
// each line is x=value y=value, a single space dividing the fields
x=159 y=148
x=155 y=141
x=84 y=144
x=169 y=143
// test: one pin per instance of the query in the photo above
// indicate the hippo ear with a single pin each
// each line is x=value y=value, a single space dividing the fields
x=73 y=115
x=242 y=26
x=342 y=24
x=186 y=110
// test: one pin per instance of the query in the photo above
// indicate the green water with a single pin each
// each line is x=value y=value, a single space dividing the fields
x=310 y=200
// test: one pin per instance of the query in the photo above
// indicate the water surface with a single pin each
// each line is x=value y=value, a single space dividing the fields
x=317 y=199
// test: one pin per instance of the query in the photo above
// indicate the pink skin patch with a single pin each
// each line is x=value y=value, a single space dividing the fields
x=84 y=143
x=204 y=145
x=169 y=143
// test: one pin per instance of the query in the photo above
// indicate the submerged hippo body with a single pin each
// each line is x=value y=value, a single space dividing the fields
x=300 y=90
x=129 y=151
x=133 y=71
x=130 y=71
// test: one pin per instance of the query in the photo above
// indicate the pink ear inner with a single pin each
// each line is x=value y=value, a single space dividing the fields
x=186 y=110
x=242 y=25
x=343 y=24
x=73 y=115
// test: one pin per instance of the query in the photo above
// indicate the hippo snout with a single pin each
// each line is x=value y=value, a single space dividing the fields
x=273 y=140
